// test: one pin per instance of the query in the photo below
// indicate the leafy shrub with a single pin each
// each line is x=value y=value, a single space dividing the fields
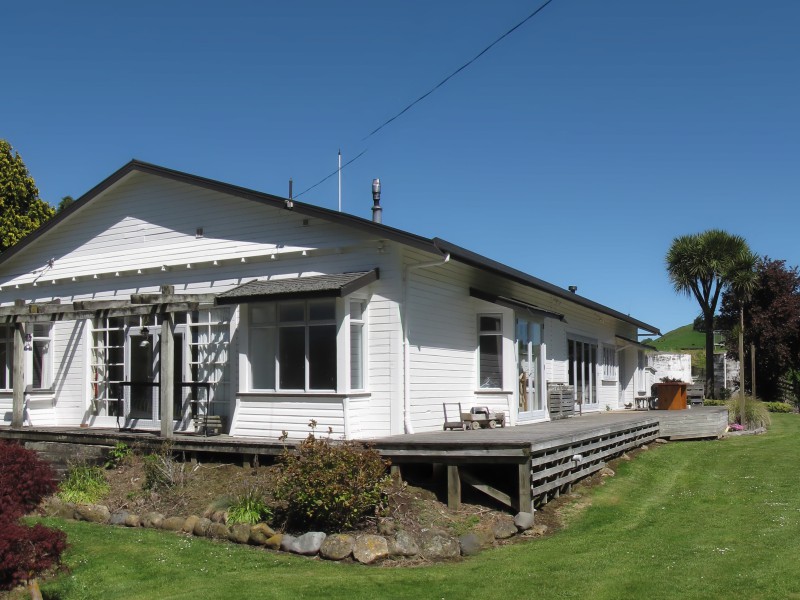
x=715 y=402
x=27 y=551
x=24 y=480
x=250 y=508
x=779 y=407
x=330 y=485
x=117 y=455
x=162 y=471
x=84 y=484
x=24 y=551
x=755 y=413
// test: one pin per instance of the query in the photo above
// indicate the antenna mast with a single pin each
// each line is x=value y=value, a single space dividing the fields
x=340 y=180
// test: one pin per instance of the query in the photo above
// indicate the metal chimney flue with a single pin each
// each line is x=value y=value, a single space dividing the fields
x=376 y=200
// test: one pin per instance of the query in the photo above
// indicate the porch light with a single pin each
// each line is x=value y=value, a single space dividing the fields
x=145 y=331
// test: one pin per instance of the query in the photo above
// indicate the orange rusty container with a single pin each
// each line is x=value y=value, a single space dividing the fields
x=671 y=396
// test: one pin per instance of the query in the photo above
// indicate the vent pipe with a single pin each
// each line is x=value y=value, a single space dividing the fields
x=376 y=200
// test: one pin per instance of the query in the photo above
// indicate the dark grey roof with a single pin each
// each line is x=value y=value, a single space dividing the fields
x=315 y=286
x=435 y=245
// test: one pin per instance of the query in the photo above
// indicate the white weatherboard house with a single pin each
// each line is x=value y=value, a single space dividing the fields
x=161 y=295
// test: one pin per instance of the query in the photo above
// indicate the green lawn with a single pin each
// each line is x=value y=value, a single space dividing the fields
x=683 y=520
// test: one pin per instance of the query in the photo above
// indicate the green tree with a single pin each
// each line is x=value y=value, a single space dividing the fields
x=66 y=201
x=21 y=209
x=772 y=314
x=704 y=264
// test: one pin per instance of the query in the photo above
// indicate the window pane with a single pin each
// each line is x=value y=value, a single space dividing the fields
x=262 y=358
x=322 y=357
x=292 y=357
x=491 y=375
x=490 y=324
x=291 y=311
x=357 y=311
x=322 y=311
x=356 y=356
x=41 y=349
x=3 y=359
x=262 y=314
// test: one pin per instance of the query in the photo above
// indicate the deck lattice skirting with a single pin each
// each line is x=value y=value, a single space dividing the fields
x=555 y=469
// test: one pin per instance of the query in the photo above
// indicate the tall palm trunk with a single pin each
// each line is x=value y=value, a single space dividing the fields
x=708 y=318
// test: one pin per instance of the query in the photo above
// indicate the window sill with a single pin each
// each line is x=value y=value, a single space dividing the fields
x=497 y=391
x=322 y=394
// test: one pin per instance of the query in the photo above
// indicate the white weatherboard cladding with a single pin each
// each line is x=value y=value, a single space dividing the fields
x=443 y=334
x=269 y=416
x=145 y=222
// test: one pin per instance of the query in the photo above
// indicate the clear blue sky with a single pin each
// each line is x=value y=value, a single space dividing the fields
x=575 y=150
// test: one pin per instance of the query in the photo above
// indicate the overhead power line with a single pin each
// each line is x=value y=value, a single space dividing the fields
x=429 y=92
x=324 y=179
x=458 y=70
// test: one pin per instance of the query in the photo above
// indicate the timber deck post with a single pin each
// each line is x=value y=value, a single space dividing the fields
x=167 y=387
x=18 y=402
x=524 y=500
x=453 y=487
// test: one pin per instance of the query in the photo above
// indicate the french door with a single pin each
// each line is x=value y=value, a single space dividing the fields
x=530 y=369
x=583 y=372
x=142 y=386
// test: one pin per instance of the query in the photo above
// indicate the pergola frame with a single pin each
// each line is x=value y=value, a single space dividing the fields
x=165 y=304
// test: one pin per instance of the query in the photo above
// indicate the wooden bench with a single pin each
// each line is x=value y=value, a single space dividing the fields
x=695 y=394
x=207 y=423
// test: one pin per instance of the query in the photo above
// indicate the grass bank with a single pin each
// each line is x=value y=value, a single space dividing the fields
x=685 y=520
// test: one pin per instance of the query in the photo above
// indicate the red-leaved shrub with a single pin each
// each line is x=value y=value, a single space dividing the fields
x=24 y=480
x=24 y=551
x=27 y=551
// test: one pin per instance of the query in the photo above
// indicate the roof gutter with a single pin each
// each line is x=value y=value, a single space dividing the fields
x=407 y=425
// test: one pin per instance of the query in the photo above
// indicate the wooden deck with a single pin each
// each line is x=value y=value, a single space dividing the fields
x=520 y=466
x=543 y=460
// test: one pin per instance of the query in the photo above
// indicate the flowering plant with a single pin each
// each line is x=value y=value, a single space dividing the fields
x=735 y=427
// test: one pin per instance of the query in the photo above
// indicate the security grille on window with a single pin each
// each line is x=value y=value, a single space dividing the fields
x=293 y=345
x=490 y=351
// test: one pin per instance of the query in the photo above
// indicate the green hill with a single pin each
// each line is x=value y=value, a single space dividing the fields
x=682 y=338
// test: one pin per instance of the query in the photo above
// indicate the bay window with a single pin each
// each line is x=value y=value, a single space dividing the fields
x=293 y=345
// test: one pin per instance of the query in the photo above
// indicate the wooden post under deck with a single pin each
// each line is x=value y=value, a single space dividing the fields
x=18 y=406
x=524 y=501
x=167 y=387
x=453 y=487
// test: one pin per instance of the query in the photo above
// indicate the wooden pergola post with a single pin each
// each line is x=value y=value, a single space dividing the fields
x=18 y=406
x=167 y=379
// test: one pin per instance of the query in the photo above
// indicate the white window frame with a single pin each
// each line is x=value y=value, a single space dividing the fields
x=485 y=385
x=610 y=363
x=7 y=367
x=307 y=324
x=45 y=341
x=361 y=325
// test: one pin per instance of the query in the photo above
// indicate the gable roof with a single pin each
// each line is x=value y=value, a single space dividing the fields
x=434 y=245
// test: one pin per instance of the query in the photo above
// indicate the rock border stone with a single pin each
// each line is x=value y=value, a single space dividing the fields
x=366 y=549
